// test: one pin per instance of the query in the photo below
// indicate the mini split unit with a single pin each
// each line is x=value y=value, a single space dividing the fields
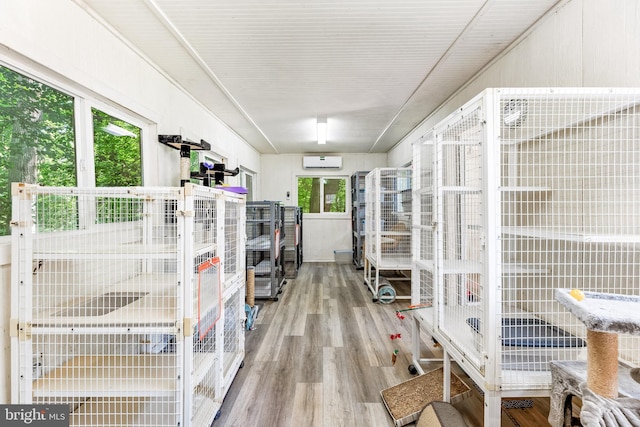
x=322 y=162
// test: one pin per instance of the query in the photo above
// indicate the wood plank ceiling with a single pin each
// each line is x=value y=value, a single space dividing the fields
x=268 y=68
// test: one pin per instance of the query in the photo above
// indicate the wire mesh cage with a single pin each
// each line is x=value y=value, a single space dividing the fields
x=264 y=247
x=94 y=282
x=292 y=230
x=234 y=246
x=103 y=282
x=388 y=210
x=358 y=216
x=233 y=349
x=216 y=278
x=534 y=190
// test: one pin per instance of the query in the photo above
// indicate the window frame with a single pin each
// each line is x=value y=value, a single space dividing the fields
x=244 y=173
x=83 y=102
x=327 y=215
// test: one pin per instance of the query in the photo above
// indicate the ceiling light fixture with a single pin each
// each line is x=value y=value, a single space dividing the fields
x=322 y=130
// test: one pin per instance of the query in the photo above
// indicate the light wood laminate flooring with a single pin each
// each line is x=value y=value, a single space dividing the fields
x=321 y=355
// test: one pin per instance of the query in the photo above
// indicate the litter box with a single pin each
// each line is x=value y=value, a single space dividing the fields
x=406 y=400
x=529 y=344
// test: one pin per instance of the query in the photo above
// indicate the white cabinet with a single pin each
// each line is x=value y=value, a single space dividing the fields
x=112 y=291
x=530 y=190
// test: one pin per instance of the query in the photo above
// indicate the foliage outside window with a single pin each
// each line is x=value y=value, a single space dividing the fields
x=116 y=146
x=37 y=142
x=322 y=194
x=38 y=146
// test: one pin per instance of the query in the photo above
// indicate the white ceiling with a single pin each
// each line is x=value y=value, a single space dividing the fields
x=269 y=68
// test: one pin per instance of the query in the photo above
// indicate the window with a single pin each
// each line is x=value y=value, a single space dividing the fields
x=37 y=137
x=322 y=195
x=246 y=181
x=39 y=143
x=116 y=151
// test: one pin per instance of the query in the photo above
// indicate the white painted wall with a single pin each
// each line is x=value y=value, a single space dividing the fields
x=321 y=236
x=58 y=42
x=581 y=43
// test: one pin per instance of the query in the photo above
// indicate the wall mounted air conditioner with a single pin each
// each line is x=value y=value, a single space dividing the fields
x=322 y=162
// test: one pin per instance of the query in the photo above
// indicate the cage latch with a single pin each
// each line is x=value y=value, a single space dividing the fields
x=186 y=326
x=185 y=213
x=20 y=330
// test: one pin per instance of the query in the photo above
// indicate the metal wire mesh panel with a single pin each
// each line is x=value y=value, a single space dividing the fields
x=233 y=351
x=96 y=288
x=234 y=214
x=291 y=240
x=265 y=241
x=214 y=277
x=358 y=216
x=206 y=216
x=423 y=231
x=205 y=378
x=570 y=195
x=537 y=189
x=371 y=226
x=389 y=210
x=460 y=227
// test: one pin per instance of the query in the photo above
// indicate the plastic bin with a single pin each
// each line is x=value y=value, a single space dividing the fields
x=344 y=256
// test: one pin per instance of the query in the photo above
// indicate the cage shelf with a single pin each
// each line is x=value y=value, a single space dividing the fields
x=547 y=233
x=111 y=375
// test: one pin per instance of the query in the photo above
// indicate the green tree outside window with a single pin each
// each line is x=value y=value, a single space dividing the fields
x=322 y=194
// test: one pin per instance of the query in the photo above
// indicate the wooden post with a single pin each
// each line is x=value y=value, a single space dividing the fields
x=602 y=363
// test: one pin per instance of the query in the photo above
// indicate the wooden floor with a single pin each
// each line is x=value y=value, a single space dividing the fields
x=321 y=355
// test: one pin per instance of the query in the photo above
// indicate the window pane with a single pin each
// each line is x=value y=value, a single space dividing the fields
x=322 y=195
x=249 y=186
x=37 y=143
x=117 y=151
x=309 y=194
x=335 y=195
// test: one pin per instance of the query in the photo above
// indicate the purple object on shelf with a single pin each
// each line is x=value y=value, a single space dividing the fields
x=237 y=190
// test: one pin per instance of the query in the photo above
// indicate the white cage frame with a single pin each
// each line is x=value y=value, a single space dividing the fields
x=387 y=226
x=140 y=362
x=531 y=190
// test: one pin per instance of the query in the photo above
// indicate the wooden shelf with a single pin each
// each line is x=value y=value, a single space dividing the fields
x=158 y=306
x=115 y=376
